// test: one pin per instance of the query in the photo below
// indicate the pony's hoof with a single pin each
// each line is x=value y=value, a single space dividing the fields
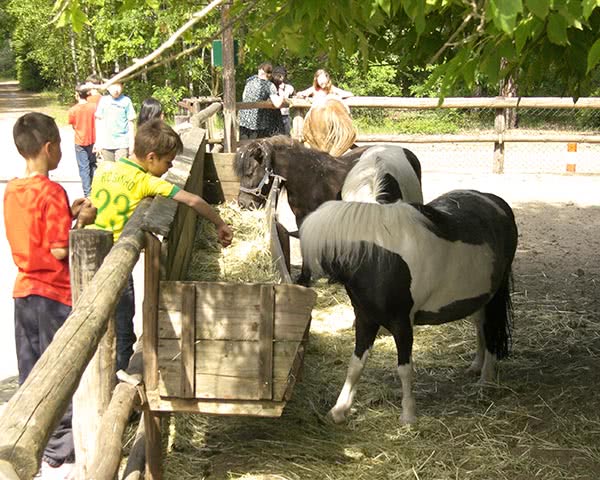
x=474 y=368
x=408 y=418
x=336 y=416
x=305 y=282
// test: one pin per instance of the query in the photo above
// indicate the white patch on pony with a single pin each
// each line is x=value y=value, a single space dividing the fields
x=365 y=181
x=344 y=402
x=442 y=271
x=285 y=216
x=409 y=405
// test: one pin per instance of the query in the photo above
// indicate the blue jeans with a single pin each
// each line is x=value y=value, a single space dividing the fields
x=124 y=314
x=86 y=161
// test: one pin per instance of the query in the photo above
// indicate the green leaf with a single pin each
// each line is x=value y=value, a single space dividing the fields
x=153 y=4
x=522 y=34
x=593 y=56
x=386 y=6
x=589 y=6
x=557 y=29
x=539 y=8
x=78 y=18
x=504 y=13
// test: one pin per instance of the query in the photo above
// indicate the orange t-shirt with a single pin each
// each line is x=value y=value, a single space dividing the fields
x=81 y=116
x=37 y=217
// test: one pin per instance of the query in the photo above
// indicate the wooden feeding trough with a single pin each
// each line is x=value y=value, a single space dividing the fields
x=220 y=348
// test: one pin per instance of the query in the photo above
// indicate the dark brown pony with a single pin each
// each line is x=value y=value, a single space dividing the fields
x=311 y=177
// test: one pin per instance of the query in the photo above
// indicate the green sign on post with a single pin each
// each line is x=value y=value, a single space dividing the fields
x=216 y=57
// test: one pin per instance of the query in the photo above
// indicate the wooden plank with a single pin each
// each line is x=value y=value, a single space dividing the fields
x=188 y=338
x=150 y=310
x=153 y=445
x=277 y=253
x=224 y=311
x=221 y=407
x=293 y=308
x=230 y=190
x=265 y=352
x=448 y=102
x=224 y=165
x=225 y=369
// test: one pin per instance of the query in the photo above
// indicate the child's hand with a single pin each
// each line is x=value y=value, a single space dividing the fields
x=225 y=234
x=87 y=216
x=78 y=205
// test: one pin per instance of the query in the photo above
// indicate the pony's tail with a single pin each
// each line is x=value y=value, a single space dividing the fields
x=498 y=323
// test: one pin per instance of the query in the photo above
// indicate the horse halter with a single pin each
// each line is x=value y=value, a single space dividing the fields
x=257 y=191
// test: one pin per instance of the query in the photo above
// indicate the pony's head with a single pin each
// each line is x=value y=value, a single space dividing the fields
x=253 y=164
x=328 y=127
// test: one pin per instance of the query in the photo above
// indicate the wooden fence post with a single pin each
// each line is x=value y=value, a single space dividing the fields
x=150 y=339
x=87 y=249
x=229 y=112
x=500 y=128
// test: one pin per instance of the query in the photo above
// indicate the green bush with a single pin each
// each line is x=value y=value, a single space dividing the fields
x=29 y=76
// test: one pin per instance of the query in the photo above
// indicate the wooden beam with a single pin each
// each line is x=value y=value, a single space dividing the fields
x=198 y=119
x=448 y=102
x=188 y=341
x=265 y=353
x=484 y=137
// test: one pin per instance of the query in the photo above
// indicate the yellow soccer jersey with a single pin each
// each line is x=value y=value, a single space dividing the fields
x=118 y=188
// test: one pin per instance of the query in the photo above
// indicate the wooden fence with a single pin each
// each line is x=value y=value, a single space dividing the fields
x=501 y=135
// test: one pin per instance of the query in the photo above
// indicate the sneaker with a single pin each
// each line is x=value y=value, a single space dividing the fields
x=66 y=471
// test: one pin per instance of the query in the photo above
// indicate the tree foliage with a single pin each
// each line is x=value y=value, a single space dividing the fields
x=372 y=46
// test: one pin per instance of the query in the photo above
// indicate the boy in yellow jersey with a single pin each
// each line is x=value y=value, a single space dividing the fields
x=118 y=188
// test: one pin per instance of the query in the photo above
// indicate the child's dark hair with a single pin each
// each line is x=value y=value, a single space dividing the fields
x=32 y=131
x=83 y=92
x=156 y=136
x=279 y=75
x=150 y=109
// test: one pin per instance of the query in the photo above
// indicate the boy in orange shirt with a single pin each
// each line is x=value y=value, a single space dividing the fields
x=38 y=218
x=81 y=117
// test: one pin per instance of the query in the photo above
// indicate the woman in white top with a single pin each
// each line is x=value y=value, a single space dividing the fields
x=284 y=90
x=322 y=88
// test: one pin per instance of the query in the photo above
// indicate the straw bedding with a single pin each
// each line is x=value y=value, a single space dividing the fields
x=541 y=420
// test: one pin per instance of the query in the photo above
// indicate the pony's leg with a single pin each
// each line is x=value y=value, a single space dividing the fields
x=304 y=277
x=403 y=336
x=365 y=336
x=478 y=318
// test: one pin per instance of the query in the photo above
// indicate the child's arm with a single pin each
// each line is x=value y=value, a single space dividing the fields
x=203 y=209
x=342 y=93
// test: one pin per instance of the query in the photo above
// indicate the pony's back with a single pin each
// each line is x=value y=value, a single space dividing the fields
x=368 y=179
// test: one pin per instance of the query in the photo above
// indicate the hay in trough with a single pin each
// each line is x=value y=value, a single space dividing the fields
x=246 y=260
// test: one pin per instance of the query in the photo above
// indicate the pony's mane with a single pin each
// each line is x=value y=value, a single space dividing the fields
x=366 y=179
x=261 y=148
x=341 y=231
x=328 y=127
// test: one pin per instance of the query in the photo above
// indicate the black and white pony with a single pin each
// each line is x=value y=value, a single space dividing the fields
x=406 y=264
x=312 y=177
